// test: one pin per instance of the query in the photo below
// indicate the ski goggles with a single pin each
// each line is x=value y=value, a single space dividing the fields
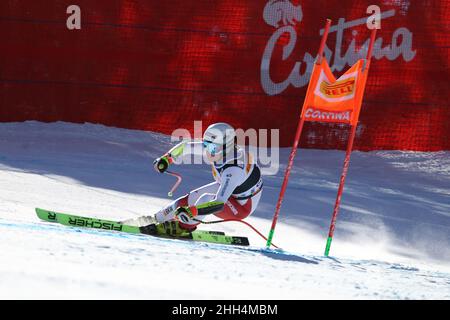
x=211 y=147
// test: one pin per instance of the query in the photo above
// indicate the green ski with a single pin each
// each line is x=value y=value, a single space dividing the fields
x=94 y=223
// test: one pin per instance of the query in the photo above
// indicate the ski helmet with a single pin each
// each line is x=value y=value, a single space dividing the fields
x=219 y=137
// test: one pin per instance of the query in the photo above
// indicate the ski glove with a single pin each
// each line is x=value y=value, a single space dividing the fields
x=161 y=164
x=186 y=213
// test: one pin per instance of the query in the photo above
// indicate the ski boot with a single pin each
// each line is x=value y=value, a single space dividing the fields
x=173 y=228
x=169 y=228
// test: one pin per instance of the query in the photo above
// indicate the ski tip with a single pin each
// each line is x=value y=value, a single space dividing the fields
x=45 y=215
x=40 y=211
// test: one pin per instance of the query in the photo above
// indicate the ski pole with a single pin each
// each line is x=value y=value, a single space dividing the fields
x=175 y=186
x=296 y=142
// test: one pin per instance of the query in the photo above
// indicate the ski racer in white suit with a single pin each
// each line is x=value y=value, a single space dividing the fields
x=234 y=194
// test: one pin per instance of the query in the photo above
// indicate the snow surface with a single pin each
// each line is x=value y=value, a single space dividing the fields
x=392 y=239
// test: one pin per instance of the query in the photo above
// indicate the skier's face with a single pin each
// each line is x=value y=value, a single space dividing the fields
x=213 y=152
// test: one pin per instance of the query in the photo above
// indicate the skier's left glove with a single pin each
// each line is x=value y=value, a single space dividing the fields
x=185 y=214
x=161 y=164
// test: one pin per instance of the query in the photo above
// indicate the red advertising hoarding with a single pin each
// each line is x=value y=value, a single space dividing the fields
x=160 y=65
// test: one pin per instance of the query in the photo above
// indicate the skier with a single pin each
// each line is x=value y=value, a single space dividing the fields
x=234 y=194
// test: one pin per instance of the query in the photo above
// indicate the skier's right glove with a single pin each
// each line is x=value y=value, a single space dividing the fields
x=161 y=164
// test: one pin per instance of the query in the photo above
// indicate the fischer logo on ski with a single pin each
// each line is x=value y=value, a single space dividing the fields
x=94 y=224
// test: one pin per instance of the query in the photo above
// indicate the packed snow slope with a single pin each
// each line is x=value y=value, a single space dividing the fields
x=392 y=239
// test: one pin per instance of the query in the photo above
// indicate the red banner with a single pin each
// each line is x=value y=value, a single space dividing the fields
x=160 y=65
